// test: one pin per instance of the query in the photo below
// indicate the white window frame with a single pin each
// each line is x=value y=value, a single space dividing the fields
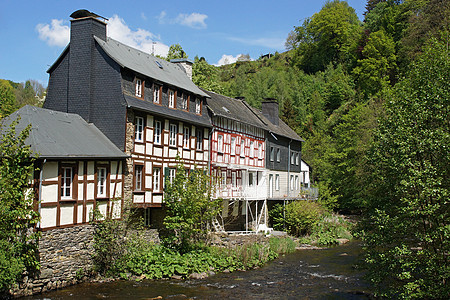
x=296 y=182
x=278 y=155
x=233 y=145
x=224 y=179
x=292 y=182
x=184 y=101
x=138 y=88
x=157 y=133
x=66 y=182
x=102 y=176
x=139 y=129
x=171 y=99
x=292 y=158
x=272 y=153
x=199 y=142
x=252 y=149
x=297 y=160
x=138 y=177
x=156 y=93
x=156 y=179
x=242 y=147
x=260 y=150
x=220 y=143
x=172 y=172
x=198 y=106
x=186 y=136
x=173 y=134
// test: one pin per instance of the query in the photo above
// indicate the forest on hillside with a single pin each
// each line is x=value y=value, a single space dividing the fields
x=371 y=100
x=332 y=82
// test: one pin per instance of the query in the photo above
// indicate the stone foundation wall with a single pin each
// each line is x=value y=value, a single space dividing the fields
x=65 y=255
x=65 y=258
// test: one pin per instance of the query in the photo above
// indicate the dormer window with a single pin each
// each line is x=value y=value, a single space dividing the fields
x=171 y=99
x=184 y=101
x=139 y=87
x=156 y=93
x=198 y=106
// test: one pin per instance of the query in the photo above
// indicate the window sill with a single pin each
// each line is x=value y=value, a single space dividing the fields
x=67 y=200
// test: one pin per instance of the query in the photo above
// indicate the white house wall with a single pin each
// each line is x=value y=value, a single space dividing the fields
x=149 y=155
x=59 y=211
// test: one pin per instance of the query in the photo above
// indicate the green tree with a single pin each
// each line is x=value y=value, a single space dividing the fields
x=329 y=36
x=7 y=99
x=176 y=52
x=406 y=230
x=206 y=76
x=18 y=242
x=378 y=66
x=190 y=208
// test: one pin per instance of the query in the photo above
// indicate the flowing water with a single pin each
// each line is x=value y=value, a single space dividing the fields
x=306 y=274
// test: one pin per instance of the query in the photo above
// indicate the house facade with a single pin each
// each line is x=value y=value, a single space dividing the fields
x=238 y=147
x=152 y=111
x=78 y=168
x=148 y=107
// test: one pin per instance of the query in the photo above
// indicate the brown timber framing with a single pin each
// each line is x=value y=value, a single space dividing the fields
x=156 y=155
x=76 y=182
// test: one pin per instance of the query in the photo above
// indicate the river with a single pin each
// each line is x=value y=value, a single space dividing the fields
x=306 y=274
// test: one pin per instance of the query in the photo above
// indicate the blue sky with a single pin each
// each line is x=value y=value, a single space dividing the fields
x=34 y=33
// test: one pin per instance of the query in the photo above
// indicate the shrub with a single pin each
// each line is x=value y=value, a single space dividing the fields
x=301 y=217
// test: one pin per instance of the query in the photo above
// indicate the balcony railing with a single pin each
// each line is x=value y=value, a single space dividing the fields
x=310 y=193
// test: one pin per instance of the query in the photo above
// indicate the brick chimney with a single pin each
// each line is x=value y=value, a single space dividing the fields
x=185 y=64
x=269 y=109
x=81 y=56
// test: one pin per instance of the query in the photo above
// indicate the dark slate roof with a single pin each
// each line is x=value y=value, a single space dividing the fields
x=234 y=109
x=62 y=135
x=281 y=129
x=239 y=110
x=202 y=120
x=149 y=65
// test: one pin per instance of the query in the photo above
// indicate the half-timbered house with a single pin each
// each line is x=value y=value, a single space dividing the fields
x=148 y=107
x=77 y=167
x=238 y=158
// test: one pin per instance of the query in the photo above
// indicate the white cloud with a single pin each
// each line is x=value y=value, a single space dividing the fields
x=227 y=59
x=55 y=34
x=141 y=39
x=193 y=20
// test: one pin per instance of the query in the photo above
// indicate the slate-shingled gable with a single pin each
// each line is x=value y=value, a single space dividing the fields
x=149 y=65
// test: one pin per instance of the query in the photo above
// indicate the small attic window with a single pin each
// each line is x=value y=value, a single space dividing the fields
x=158 y=64
x=225 y=109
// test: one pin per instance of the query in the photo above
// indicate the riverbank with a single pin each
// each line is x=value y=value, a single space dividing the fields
x=229 y=252
x=328 y=273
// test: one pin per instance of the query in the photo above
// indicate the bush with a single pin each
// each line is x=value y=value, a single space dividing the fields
x=301 y=217
x=311 y=221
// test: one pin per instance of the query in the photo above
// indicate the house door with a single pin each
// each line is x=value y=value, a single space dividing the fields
x=270 y=186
